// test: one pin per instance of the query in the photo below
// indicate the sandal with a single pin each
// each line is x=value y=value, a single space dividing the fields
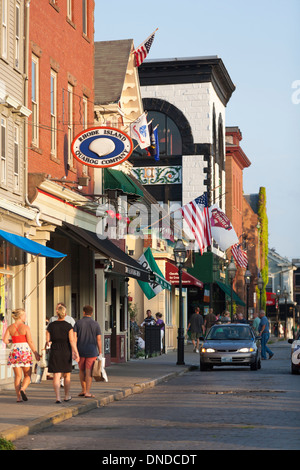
x=68 y=399
x=23 y=395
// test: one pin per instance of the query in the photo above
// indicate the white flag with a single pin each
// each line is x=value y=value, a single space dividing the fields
x=222 y=230
x=139 y=131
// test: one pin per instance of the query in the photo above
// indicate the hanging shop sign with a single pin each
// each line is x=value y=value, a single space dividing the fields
x=102 y=147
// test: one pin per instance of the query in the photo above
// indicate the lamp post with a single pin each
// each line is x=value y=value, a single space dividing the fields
x=231 y=273
x=285 y=295
x=260 y=285
x=180 y=258
x=247 y=277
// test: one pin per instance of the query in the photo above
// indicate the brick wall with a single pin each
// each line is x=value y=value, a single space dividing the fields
x=59 y=44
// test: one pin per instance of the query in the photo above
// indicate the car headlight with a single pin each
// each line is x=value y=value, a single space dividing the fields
x=246 y=350
x=208 y=350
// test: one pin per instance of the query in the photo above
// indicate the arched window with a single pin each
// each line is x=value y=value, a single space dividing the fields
x=170 y=142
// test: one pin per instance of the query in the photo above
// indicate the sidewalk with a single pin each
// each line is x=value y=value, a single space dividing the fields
x=41 y=411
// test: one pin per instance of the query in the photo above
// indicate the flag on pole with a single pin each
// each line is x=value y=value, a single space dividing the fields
x=239 y=255
x=142 y=51
x=196 y=215
x=139 y=131
x=152 y=288
x=153 y=150
x=222 y=230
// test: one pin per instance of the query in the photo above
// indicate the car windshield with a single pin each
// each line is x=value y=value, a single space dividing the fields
x=230 y=332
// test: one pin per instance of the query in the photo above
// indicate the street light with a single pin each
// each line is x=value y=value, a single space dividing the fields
x=285 y=295
x=260 y=285
x=231 y=273
x=247 y=277
x=180 y=256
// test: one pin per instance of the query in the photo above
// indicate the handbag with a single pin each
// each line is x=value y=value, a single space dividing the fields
x=98 y=372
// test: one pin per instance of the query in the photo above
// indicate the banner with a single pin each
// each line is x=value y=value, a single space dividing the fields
x=152 y=288
x=222 y=230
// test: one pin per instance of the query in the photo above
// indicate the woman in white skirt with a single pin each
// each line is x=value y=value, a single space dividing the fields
x=20 y=357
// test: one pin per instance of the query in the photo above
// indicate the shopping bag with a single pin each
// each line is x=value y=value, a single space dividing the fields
x=98 y=372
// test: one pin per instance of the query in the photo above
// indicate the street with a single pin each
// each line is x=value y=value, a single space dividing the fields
x=223 y=409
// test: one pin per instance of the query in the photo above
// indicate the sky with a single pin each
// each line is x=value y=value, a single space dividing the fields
x=258 y=42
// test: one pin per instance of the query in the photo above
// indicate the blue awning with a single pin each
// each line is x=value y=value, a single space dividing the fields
x=30 y=246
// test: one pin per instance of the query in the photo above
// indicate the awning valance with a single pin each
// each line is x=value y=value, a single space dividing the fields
x=227 y=290
x=172 y=276
x=117 y=180
x=30 y=246
x=123 y=264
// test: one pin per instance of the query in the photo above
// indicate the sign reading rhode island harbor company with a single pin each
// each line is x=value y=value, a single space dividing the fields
x=102 y=147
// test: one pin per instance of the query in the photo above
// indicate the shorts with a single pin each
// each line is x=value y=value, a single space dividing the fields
x=195 y=335
x=86 y=363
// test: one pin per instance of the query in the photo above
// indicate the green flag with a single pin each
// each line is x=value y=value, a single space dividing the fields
x=152 y=288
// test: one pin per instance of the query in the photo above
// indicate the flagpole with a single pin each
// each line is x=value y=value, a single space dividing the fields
x=144 y=41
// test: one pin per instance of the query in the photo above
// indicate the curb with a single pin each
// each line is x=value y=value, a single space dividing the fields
x=55 y=417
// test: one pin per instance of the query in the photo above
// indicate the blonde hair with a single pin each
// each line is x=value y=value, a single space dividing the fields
x=61 y=312
x=17 y=313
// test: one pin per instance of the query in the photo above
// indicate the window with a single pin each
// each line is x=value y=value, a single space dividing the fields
x=70 y=124
x=69 y=9
x=53 y=85
x=35 y=100
x=169 y=137
x=4 y=29
x=84 y=17
x=3 y=152
x=16 y=157
x=17 y=38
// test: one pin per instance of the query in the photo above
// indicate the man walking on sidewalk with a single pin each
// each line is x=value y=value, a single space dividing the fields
x=88 y=336
x=197 y=328
x=264 y=332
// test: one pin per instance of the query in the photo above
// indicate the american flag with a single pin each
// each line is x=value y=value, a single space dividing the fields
x=239 y=255
x=142 y=51
x=196 y=214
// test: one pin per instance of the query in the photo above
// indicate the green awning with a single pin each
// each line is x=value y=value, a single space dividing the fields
x=227 y=290
x=117 y=180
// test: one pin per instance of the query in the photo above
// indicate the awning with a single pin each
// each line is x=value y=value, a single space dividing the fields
x=123 y=264
x=172 y=276
x=117 y=180
x=227 y=290
x=30 y=246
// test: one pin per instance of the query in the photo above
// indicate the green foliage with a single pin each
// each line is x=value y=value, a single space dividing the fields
x=6 y=445
x=264 y=242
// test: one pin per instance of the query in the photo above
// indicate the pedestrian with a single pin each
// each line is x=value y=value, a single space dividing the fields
x=88 y=337
x=149 y=320
x=161 y=324
x=20 y=357
x=226 y=317
x=240 y=318
x=264 y=332
x=210 y=319
x=197 y=328
x=63 y=348
x=256 y=322
x=68 y=318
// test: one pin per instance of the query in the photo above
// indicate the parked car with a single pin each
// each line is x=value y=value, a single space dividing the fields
x=233 y=344
x=295 y=354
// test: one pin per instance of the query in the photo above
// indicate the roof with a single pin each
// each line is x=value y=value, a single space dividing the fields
x=111 y=61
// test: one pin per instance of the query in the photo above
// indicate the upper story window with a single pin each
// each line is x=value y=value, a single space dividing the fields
x=84 y=17
x=70 y=123
x=16 y=158
x=170 y=142
x=17 y=37
x=53 y=91
x=35 y=99
x=4 y=34
x=3 y=151
x=69 y=10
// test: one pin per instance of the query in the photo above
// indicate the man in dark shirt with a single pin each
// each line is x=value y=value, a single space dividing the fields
x=88 y=336
x=197 y=328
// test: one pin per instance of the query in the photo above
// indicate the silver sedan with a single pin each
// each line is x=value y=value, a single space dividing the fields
x=233 y=344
